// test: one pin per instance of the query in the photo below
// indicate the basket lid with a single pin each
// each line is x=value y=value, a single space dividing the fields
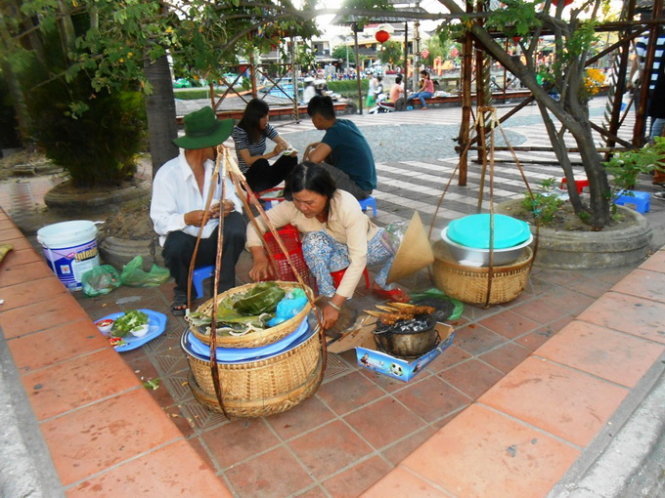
x=474 y=231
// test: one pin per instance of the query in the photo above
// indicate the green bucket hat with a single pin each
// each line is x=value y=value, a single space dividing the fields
x=203 y=129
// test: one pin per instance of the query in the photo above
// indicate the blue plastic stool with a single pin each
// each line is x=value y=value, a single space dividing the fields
x=369 y=202
x=199 y=275
x=635 y=199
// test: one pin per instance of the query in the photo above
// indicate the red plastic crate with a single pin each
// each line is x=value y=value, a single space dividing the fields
x=291 y=240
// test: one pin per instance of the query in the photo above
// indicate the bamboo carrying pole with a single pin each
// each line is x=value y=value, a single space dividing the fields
x=243 y=190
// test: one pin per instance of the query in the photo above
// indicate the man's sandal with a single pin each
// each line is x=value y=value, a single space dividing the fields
x=179 y=305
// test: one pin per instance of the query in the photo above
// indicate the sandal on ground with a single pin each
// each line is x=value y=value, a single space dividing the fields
x=179 y=305
x=396 y=294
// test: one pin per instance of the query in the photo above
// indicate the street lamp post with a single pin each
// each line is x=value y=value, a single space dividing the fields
x=346 y=43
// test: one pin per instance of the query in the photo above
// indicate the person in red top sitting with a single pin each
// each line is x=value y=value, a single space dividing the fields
x=425 y=91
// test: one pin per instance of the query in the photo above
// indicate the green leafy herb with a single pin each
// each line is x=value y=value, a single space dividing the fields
x=152 y=383
x=131 y=320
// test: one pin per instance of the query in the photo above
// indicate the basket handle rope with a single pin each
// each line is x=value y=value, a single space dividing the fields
x=240 y=183
x=479 y=124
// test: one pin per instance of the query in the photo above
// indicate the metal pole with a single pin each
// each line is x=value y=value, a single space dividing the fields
x=294 y=86
x=406 y=59
x=416 y=51
x=360 y=91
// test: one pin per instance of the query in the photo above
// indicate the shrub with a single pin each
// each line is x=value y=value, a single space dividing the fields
x=94 y=134
x=543 y=205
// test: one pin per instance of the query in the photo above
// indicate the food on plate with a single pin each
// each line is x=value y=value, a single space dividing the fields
x=105 y=325
x=131 y=320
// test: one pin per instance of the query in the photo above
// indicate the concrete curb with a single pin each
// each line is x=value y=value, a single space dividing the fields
x=626 y=459
x=26 y=469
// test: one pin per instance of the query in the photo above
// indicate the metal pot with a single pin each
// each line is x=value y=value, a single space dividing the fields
x=408 y=338
x=471 y=256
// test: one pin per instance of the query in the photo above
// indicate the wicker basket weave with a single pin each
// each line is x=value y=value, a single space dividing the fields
x=253 y=339
x=261 y=407
x=262 y=387
x=469 y=284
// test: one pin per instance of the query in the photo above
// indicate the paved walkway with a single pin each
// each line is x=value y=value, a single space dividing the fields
x=358 y=429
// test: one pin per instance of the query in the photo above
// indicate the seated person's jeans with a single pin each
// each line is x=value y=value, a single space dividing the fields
x=422 y=96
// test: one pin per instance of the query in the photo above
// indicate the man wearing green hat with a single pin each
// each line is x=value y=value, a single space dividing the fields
x=179 y=193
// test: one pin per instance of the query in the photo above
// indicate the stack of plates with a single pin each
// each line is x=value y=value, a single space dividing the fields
x=201 y=350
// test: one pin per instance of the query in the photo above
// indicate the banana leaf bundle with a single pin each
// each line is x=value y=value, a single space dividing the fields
x=242 y=313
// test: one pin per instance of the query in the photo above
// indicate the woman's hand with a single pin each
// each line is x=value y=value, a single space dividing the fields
x=279 y=148
x=330 y=317
x=261 y=269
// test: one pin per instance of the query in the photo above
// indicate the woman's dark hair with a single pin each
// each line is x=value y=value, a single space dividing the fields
x=398 y=79
x=309 y=176
x=424 y=73
x=256 y=110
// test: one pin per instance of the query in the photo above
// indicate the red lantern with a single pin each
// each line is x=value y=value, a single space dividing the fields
x=517 y=39
x=565 y=2
x=382 y=36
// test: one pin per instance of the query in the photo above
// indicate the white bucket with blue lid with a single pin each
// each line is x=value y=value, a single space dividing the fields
x=70 y=247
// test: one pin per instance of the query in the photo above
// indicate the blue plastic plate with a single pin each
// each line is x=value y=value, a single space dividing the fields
x=243 y=355
x=474 y=231
x=156 y=327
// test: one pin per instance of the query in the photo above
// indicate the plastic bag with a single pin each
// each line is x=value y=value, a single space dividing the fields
x=133 y=275
x=289 y=307
x=446 y=307
x=100 y=280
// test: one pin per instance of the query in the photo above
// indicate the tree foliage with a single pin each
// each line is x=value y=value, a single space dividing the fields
x=564 y=111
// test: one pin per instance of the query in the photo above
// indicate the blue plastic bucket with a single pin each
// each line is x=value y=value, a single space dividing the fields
x=70 y=248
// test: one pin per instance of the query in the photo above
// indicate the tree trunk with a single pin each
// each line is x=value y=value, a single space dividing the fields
x=572 y=117
x=160 y=110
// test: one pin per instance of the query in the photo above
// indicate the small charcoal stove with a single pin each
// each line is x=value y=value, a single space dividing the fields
x=408 y=338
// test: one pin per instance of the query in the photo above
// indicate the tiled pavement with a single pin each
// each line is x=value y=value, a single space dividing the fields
x=359 y=426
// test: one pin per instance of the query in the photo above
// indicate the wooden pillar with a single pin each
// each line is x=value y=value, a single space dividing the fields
x=252 y=73
x=467 y=62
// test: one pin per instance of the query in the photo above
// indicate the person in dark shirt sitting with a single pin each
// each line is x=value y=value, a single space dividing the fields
x=343 y=150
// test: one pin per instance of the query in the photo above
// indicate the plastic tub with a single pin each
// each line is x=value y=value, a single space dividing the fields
x=70 y=248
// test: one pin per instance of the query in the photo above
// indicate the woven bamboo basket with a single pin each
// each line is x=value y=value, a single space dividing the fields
x=262 y=387
x=260 y=407
x=253 y=339
x=469 y=284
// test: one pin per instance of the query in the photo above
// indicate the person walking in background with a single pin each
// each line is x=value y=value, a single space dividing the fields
x=425 y=91
x=250 y=140
x=655 y=99
x=178 y=206
x=373 y=85
x=309 y=91
x=347 y=155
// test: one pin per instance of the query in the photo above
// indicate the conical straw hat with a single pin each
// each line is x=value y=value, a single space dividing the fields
x=414 y=253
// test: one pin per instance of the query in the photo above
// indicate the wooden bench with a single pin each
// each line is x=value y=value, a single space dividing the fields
x=457 y=99
x=284 y=111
